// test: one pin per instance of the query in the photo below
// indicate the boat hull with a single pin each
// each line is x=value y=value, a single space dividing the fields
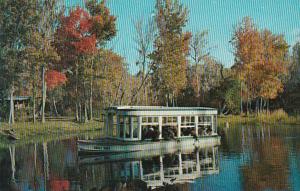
x=105 y=146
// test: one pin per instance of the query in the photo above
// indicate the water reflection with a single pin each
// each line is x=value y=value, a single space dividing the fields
x=156 y=171
x=249 y=158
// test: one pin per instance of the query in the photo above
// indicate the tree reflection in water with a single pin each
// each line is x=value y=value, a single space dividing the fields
x=269 y=166
x=252 y=158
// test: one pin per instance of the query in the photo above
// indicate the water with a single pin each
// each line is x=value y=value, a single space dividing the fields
x=249 y=158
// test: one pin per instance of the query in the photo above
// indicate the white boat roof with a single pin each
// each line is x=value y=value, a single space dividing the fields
x=160 y=110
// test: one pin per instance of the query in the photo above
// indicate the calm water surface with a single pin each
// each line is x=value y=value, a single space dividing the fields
x=249 y=158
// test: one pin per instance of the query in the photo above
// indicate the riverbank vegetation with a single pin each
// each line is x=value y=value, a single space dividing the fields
x=274 y=118
x=55 y=62
x=29 y=132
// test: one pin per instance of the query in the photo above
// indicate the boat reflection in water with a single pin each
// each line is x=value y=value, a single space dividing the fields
x=152 y=169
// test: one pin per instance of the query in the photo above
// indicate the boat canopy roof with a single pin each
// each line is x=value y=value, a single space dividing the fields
x=160 y=110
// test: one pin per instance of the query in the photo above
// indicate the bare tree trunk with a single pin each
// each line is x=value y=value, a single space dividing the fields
x=44 y=93
x=85 y=112
x=55 y=108
x=46 y=163
x=12 y=152
x=80 y=116
x=261 y=105
x=12 y=109
x=76 y=112
x=77 y=104
x=268 y=104
x=257 y=107
x=34 y=103
x=241 y=94
x=91 y=99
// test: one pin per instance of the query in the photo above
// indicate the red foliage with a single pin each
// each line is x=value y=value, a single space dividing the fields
x=75 y=33
x=59 y=185
x=55 y=79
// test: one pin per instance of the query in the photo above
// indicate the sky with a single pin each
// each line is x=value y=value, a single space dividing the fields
x=219 y=17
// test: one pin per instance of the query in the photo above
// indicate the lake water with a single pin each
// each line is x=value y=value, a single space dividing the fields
x=249 y=158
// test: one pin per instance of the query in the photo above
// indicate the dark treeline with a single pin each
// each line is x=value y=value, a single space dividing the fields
x=57 y=59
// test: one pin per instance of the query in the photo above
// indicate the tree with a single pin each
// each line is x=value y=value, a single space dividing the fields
x=261 y=62
x=248 y=47
x=104 y=28
x=274 y=65
x=54 y=79
x=144 y=39
x=198 y=53
x=171 y=48
x=290 y=99
x=17 y=20
x=49 y=15
x=77 y=43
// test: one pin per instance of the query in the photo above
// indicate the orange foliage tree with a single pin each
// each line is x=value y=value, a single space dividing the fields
x=260 y=61
x=55 y=79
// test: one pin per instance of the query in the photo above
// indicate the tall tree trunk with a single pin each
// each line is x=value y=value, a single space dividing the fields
x=241 y=95
x=268 y=104
x=85 y=112
x=76 y=112
x=34 y=103
x=12 y=152
x=12 y=109
x=77 y=104
x=261 y=105
x=55 y=108
x=46 y=163
x=80 y=116
x=257 y=107
x=44 y=93
x=91 y=99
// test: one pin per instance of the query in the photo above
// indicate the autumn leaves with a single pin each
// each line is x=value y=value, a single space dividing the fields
x=261 y=60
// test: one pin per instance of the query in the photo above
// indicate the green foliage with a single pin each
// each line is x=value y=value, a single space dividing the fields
x=232 y=96
x=104 y=24
x=171 y=48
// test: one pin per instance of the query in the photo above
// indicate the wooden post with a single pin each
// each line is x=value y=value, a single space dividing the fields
x=161 y=164
x=179 y=126
x=124 y=127
x=198 y=167
x=212 y=123
x=196 y=125
x=118 y=125
x=141 y=170
x=160 y=126
x=131 y=127
x=180 y=163
x=140 y=127
x=106 y=125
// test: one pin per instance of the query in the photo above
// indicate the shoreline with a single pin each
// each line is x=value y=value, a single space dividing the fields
x=29 y=132
x=257 y=120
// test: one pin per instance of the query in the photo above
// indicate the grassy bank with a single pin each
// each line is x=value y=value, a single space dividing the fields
x=51 y=130
x=277 y=117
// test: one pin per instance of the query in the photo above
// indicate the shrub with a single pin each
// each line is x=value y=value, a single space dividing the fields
x=278 y=115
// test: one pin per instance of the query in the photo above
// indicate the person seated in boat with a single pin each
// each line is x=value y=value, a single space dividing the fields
x=209 y=131
x=201 y=131
x=168 y=133
x=150 y=133
x=188 y=132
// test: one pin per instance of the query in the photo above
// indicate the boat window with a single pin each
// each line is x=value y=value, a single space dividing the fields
x=167 y=120
x=127 y=126
x=150 y=120
x=187 y=120
x=114 y=126
x=144 y=120
x=121 y=126
x=135 y=126
x=204 y=118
